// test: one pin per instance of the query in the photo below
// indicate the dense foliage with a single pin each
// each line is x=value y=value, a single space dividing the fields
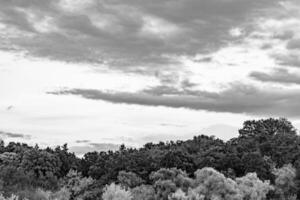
x=263 y=162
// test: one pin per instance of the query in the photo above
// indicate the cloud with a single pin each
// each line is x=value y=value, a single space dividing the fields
x=82 y=141
x=279 y=34
x=158 y=138
x=122 y=138
x=284 y=35
x=222 y=131
x=291 y=59
x=282 y=76
x=10 y=107
x=204 y=60
x=239 y=98
x=80 y=150
x=14 y=135
x=161 y=90
x=130 y=35
x=293 y=44
x=105 y=146
x=172 y=125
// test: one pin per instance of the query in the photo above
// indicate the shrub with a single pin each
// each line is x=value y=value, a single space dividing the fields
x=116 y=192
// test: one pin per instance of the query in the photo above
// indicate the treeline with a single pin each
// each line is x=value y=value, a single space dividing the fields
x=263 y=162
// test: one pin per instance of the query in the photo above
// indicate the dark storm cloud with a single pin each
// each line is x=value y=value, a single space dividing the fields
x=13 y=13
x=14 y=135
x=74 y=36
x=17 y=19
x=238 y=98
x=282 y=76
x=291 y=59
x=294 y=44
x=285 y=35
x=161 y=90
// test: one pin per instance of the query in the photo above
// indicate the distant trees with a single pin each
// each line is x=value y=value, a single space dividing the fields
x=263 y=162
x=43 y=167
x=24 y=168
x=178 y=159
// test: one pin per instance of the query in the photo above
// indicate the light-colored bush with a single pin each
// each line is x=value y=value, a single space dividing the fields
x=252 y=188
x=215 y=186
x=285 y=185
x=116 y=192
x=12 y=197
x=62 y=194
x=143 y=192
x=179 y=195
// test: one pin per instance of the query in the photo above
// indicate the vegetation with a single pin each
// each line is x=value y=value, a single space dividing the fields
x=263 y=162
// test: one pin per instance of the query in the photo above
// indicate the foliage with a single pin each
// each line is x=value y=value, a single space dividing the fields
x=213 y=185
x=12 y=197
x=285 y=182
x=167 y=181
x=76 y=185
x=116 y=192
x=129 y=179
x=143 y=192
x=265 y=150
x=252 y=188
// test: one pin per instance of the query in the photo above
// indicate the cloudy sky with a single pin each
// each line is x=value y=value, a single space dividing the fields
x=96 y=73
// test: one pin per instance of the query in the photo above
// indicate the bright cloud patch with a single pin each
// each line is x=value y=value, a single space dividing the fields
x=159 y=28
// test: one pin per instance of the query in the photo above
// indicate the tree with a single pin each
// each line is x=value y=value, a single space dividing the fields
x=285 y=182
x=42 y=166
x=264 y=128
x=143 y=192
x=167 y=181
x=116 y=192
x=77 y=185
x=252 y=188
x=12 y=197
x=211 y=184
x=178 y=159
x=180 y=195
x=129 y=179
x=255 y=162
x=68 y=160
x=87 y=161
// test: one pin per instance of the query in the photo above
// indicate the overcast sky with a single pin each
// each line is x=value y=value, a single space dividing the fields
x=95 y=73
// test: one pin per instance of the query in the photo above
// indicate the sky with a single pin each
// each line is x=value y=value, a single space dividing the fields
x=98 y=73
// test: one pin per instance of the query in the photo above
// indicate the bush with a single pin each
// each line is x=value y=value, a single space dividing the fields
x=116 y=192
